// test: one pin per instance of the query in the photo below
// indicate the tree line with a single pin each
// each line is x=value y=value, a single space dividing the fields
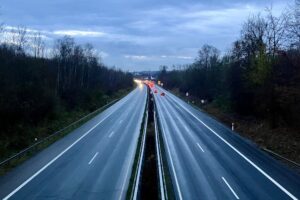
x=39 y=87
x=259 y=76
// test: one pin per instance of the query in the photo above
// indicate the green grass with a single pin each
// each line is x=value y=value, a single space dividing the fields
x=47 y=128
x=283 y=140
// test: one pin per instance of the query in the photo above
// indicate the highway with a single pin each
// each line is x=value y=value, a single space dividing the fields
x=93 y=162
x=207 y=160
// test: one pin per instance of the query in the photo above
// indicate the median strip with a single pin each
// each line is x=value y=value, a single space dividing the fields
x=161 y=174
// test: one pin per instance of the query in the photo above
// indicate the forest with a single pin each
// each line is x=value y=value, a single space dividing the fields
x=259 y=77
x=42 y=92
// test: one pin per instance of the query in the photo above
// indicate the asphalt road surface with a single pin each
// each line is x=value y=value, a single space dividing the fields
x=93 y=162
x=208 y=161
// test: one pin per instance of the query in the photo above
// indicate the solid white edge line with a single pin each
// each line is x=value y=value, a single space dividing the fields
x=93 y=158
x=111 y=134
x=200 y=147
x=242 y=155
x=130 y=165
x=53 y=160
x=172 y=165
x=136 y=185
x=236 y=196
x=159 y=161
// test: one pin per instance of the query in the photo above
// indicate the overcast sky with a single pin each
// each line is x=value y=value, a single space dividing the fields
x=138 y=35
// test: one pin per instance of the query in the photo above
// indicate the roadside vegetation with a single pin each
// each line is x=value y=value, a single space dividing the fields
x=44 y=90
x=256 y=84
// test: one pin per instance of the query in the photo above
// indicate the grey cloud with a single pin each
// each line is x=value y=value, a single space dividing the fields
x=152 y=32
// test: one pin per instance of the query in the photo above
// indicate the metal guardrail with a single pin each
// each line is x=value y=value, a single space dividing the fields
x=162 y=184
x=274 y=154
x=140 y=161
x=162 y=189
x=137 y=176
x=30 y=148
x=281 y=157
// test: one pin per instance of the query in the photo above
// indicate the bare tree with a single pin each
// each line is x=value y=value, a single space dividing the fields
x=2 y=33
x=19 y=38
x=1 y=29
x=207 y=56
x=253 y=35
x=292 y=24
x=275 y=32
x=92 y=60
x=63 y=51
x=38 y=45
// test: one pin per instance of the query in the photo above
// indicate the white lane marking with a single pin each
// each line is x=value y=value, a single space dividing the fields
x=172 y=165
x=141 y=153
x=123 y=186
x=242 y=155
x=53 y=160
x=200 y=147
x=93 y=158
x=121 y=121
x=159 y=160
x=117 y=105
x=129 y=165
x=236 y=196
x=111 y=134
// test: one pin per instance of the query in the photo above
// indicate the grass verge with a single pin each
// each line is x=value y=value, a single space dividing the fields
x=67 y=120
x=282 y=140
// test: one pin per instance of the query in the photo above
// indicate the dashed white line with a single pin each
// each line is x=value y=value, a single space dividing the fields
x=241 y=154
x=172 y=165
x=54 y=159
x=93 y=158
x=233 y=192
x=200 y=147
x=111 y=134
x=129 y=165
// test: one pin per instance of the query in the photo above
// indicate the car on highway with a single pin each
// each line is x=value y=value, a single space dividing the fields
x=155 y=91
x=162 y=94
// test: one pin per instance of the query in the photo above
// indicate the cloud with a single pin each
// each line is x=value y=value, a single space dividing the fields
x=178 y=57
x=157 y=57
x=138 y=33
x=103 y=54
x=137 y=57
x=10 y=35
x=185 y=57
x=78 y=33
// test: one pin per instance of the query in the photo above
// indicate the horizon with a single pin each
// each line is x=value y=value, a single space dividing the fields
x=138 y=36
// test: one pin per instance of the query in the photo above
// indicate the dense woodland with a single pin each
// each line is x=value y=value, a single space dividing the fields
x=40 y=90
x=258 y=77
